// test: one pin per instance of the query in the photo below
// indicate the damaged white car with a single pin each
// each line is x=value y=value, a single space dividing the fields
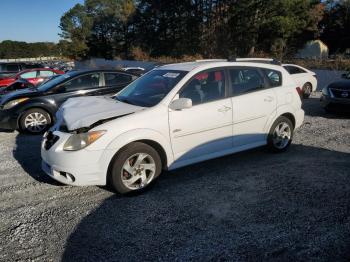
x=173 y=116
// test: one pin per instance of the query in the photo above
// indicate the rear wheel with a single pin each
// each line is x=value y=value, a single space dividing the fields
x=307 y=90
x=280 y=135
x=135 y=168
x=35 y=121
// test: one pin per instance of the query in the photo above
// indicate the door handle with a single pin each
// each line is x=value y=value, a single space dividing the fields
x=224 y=109
x=268 y=99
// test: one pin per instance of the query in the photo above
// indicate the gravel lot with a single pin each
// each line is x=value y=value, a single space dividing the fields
x=248 y=206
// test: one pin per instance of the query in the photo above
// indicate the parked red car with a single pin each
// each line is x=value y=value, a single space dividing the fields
x=35 y=76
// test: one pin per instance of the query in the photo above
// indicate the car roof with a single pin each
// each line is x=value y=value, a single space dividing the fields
x=84 y=71
x=207 y=64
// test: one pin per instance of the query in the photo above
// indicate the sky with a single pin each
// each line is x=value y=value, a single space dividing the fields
x=32 y=20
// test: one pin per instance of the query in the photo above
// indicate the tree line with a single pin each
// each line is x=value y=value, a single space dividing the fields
x=208 y=28
x=16 y=49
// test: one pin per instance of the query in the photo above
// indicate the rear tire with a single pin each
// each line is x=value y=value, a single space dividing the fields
x=281 y=135
x=134 y=168
x=34 y=121
x=307 y=90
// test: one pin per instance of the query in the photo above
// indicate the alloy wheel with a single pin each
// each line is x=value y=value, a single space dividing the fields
x=138 y=171
x=35 y=122
x=282 y=135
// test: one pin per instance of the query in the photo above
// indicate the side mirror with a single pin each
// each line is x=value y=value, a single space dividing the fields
x=181 y=103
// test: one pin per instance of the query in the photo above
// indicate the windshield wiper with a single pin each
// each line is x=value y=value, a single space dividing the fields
x=124 y=100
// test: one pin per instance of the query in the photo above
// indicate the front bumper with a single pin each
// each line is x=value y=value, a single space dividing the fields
x=335 y=103
x=8 y=120
x=78 y=168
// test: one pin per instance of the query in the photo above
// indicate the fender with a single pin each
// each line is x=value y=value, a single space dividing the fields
x=133 y=136
x=279 y=111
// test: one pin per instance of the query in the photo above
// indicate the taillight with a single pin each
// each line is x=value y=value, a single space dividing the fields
x=300 y=92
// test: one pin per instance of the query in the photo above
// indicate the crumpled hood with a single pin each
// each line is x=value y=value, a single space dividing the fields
x=84 y=111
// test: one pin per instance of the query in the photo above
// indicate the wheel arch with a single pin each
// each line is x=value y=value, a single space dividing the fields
x=291 y=117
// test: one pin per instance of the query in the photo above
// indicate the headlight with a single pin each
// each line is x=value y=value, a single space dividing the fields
x=14 y=103
x=80 y=141
x=325 y=91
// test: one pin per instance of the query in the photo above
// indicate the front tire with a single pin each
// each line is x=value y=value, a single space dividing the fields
x=134 y=168
x=281 y=135
x=34 y=121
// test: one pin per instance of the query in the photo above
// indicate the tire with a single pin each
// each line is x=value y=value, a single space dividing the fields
x=41 y=119
x=307 y=90
x=142 y=175
x=273 y=139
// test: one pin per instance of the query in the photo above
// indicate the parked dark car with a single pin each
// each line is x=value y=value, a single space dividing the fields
x=7 y=69
x=336 y=96
x=33 y=110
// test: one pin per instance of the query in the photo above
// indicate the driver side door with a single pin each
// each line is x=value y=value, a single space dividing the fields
x=205 y=129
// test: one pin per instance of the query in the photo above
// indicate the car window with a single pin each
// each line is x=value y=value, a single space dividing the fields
x=83 y=82
x=205 y=87
x=46 y=73
x=274 y=76
x=117 y=79
x=293 y=70
x=31 y=74
x=12 y=67
x=151 y=88
x=245 y=80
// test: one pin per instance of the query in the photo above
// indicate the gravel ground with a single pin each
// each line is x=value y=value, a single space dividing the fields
x=245 y=207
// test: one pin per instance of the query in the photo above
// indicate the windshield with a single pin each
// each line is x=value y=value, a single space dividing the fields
x=150 y=89
x=53 y=82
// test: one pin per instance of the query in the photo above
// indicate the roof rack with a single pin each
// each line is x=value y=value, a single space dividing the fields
x=212 y=60
x=257 y=60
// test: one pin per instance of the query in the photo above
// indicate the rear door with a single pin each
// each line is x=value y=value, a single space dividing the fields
x=43 y=75
x=253 y=103
x=113 y=82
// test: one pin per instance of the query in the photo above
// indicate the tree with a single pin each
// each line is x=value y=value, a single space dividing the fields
x=335 y=25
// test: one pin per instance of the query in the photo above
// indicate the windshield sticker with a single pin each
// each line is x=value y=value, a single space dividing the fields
x=171 y=75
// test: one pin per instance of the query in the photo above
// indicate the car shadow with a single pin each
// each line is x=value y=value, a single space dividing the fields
x=247 y=206
x=6 y=131
x=27 y=154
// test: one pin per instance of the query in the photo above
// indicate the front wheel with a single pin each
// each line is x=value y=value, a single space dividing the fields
x=134 y=168
x=280 y=135
x=35 y=121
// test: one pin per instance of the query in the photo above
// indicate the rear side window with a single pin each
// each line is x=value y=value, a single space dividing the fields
x=46 y=73
x=112 y=79
x=27 y=75
x=246 y=80
x=274 y=76
x=293 y=70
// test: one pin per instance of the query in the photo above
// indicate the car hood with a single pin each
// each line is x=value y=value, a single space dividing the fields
x=83 y=112
x=343 y=84
x=27 y=92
